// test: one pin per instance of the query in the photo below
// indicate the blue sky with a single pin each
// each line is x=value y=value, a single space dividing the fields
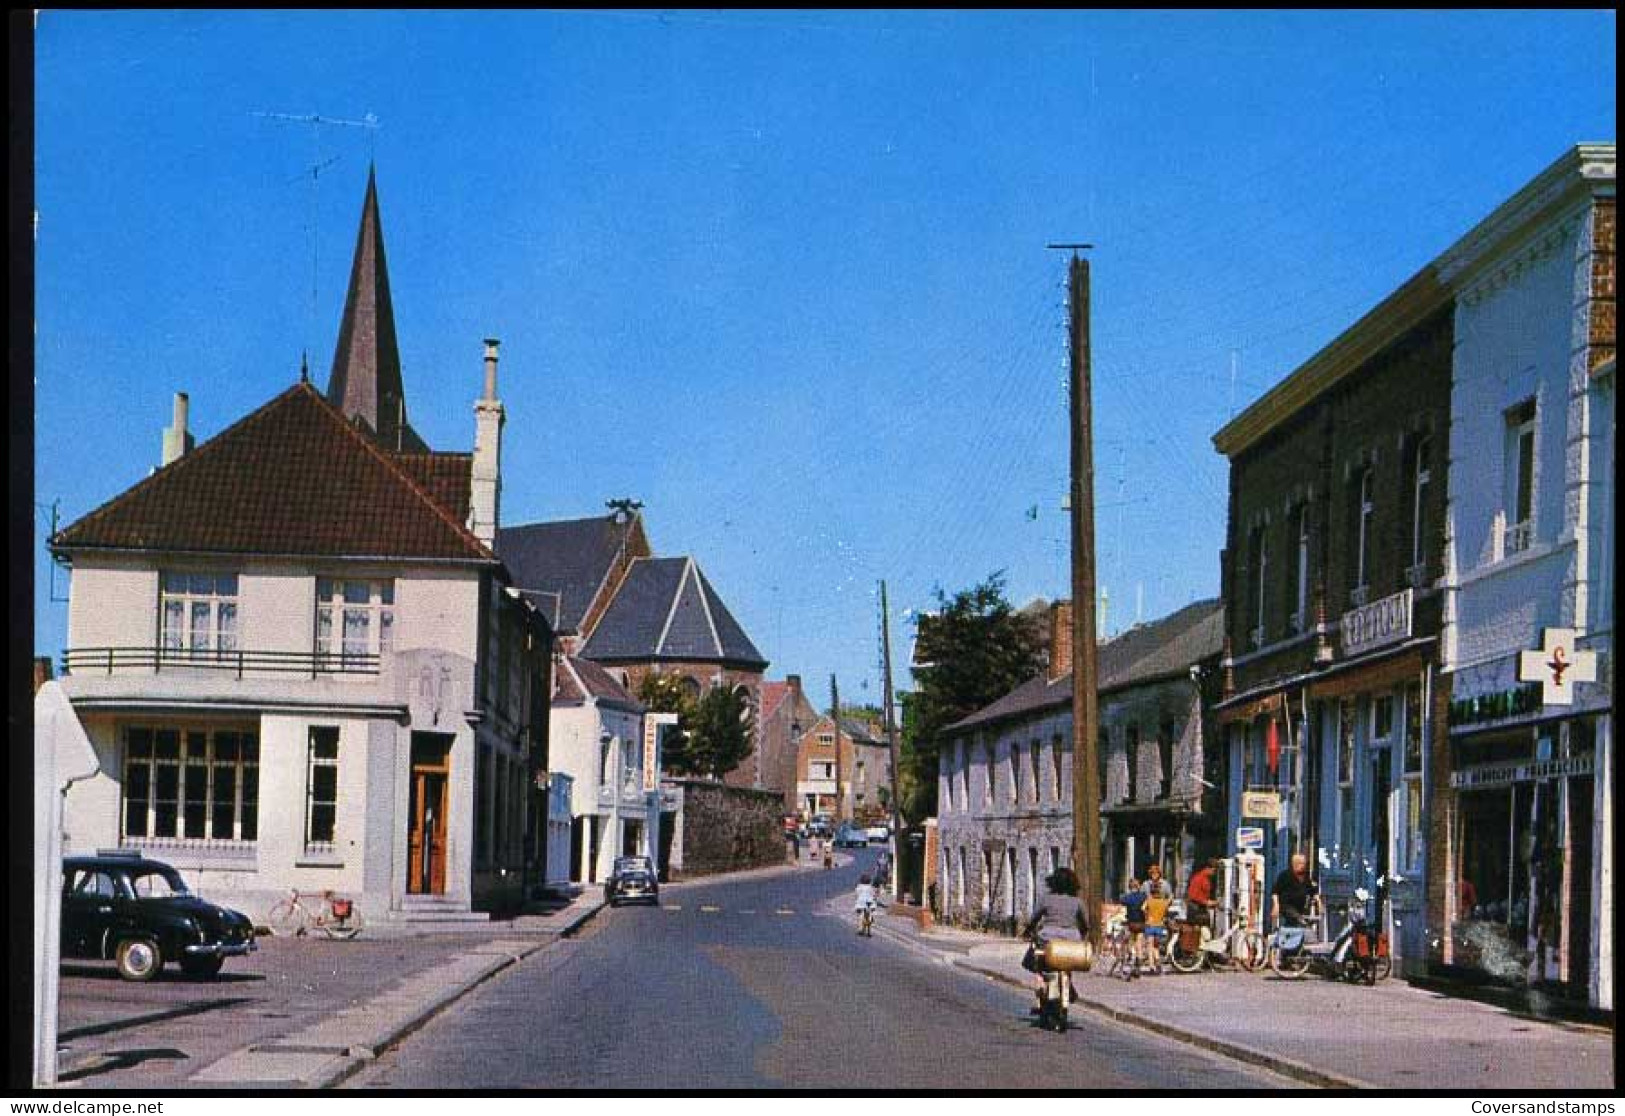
x=779 y=275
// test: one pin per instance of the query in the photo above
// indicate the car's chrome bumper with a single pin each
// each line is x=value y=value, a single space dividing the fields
x=221 y=949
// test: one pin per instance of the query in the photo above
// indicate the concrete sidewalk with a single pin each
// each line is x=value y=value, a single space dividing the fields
x=1317 y=1031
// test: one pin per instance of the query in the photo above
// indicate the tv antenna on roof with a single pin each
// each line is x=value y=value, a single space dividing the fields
x=370 y=124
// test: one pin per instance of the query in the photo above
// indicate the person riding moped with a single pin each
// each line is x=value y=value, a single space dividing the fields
x=1062 y=919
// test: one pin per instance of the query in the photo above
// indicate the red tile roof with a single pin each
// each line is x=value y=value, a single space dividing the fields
x=291 y=478
x=444 y=476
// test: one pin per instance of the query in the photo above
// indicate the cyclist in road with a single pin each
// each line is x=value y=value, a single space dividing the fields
x=866 y=899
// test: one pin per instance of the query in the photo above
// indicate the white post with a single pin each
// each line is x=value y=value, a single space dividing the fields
x=63 y=755
x=47 y=906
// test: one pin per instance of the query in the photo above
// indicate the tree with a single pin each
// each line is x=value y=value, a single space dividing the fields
x=717 y=741
x=972 y=651
x=711 y=738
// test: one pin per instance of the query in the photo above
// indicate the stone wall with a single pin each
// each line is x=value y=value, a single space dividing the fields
x=728 y=828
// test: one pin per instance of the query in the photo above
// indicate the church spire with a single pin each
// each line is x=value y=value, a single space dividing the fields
x=366 y=379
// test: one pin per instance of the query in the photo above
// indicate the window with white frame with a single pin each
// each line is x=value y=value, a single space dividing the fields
x=1364 y=533
x=321 y=787
x=191 y=784
x=1421 y=482
x=199 y=613
x=1299 y=570
x=354 y=619
x=1015 y=772
x=1520 y=485
x=1032 y=766
x=1060 y=775
x=989 y=786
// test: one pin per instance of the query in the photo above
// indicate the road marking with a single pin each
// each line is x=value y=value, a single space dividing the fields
x=674 y=906
x=784 y=910
x=708 y=909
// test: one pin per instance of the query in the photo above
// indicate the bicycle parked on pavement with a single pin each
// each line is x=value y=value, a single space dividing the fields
x=336 y=916
x=1192 y=947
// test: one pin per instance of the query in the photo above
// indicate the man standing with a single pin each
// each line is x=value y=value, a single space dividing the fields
x=1199 y=895
x=1289 y=898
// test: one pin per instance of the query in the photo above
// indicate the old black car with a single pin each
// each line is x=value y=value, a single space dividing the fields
x=139 y=913
x=632 y=879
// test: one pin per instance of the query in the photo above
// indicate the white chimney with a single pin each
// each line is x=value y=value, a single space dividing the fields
x=176 y=439
x=485 y=496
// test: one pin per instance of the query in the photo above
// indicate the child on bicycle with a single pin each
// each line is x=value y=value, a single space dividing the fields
x=866 y=899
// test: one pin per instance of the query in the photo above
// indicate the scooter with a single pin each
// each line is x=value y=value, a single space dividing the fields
x=1292 y=955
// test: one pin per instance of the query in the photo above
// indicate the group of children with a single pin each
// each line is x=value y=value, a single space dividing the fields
x=1145 y=915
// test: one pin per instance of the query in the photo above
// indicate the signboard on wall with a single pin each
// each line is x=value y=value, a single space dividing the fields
x=654 y=725
x=1265 y=805
x=1500 y=774
x=1250 y=837
x=1377 y=624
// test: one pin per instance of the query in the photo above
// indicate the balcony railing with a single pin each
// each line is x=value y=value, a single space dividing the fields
x=111 y=660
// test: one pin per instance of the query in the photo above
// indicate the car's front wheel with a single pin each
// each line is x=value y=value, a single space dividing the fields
x=139 y=959
x=202 y=968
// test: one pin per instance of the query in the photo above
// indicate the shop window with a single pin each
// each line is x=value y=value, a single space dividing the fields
x=1345 y=775
x=1382 y=719
x=1410 y=855
x=194 y=785
x=1413 y=728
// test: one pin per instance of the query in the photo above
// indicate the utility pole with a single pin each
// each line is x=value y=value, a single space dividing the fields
x=835 y=717
x=1085 y=670
x=891 y=741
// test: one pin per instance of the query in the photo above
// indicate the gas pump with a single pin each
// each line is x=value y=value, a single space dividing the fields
x=1247 y=892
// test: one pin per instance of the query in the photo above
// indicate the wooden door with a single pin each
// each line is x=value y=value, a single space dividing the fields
x=426 y=835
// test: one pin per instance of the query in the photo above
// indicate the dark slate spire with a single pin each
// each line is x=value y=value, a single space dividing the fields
x=366 y=377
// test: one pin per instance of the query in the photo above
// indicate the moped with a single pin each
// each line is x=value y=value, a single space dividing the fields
x=1292 y=955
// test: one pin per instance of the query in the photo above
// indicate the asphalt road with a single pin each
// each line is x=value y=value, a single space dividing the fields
x=746 y=985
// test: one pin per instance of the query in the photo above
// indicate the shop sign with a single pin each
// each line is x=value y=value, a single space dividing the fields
x=1250 y=837
x=1377 y=624
x=1265 y=805
x=1557 y=666
x=1496 y=706
x=654 y=726
x=1501 y=774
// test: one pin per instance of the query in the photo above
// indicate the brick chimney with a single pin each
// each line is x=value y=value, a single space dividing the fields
x=485 y=496
x=1060 y=640
x=177 y=441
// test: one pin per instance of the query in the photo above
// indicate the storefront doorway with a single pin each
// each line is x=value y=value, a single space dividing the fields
x=426 y=814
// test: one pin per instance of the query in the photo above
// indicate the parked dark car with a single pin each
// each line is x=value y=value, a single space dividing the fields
x=140 y=914
x=632 y=880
